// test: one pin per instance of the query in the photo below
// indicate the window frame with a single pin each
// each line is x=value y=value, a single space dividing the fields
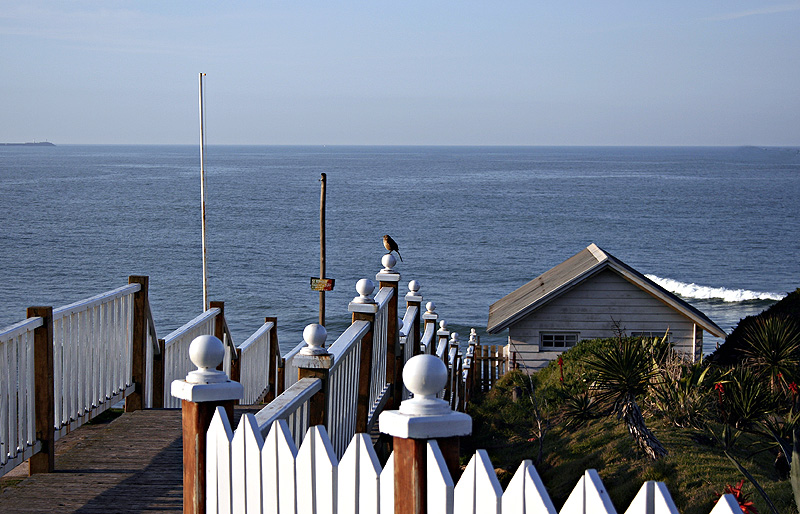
x=554 y=335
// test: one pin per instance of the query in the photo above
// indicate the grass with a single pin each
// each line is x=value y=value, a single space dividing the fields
x=695 y=471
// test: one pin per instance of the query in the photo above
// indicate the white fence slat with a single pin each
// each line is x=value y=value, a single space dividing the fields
x=238 y=469
x=359 y=477
x=526 y=493
x=387 y=486
x=652 y=498
x=726 y=504
x=278 y=470
x=589 y=495
x=316 y=462
x=218 y=463
x=440 y=487
x=253 y=484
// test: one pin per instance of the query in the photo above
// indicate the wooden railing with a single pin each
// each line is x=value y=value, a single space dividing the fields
x=257 y=364
x=293 y=407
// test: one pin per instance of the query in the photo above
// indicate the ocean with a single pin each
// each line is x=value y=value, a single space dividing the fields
x=718 y=226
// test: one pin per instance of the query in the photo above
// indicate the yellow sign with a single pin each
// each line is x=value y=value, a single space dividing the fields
x=321 y=284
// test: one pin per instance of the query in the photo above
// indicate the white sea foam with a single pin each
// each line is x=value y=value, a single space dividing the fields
x=704 y=292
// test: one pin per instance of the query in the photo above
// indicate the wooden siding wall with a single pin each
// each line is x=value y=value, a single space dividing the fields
x=589 y=309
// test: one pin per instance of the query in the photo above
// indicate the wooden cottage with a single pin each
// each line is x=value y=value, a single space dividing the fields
x=592 y=294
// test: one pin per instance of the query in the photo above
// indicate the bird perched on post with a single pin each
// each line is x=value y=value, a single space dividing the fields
x=390 y=245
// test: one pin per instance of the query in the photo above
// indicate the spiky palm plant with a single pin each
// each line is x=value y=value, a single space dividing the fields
x=772 y=347
x=621 y=375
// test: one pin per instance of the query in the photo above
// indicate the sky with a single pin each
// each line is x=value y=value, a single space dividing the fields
x=434 y=72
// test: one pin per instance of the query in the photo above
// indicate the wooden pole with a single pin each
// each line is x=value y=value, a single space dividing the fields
x=323 y=180
x=272 y=361
x=44 y=400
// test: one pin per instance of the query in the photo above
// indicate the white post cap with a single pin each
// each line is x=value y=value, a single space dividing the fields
x=314 y=335
x=388 y=273
x=363 y=302
x=206 y=383
x=424 y=416
x=413 y=292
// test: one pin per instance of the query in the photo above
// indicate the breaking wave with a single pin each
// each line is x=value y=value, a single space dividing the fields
x=704 y=292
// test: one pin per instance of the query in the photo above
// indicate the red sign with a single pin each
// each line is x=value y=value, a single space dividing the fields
x=321 y=284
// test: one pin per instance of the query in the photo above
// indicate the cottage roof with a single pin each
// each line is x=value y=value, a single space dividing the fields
x=575 y=270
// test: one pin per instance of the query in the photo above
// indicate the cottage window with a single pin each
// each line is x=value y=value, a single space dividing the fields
x=558 y=339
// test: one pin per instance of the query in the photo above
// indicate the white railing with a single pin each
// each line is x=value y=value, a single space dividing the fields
x=378 y=386
x=290 y=371
x=292 y=407
x=408 y=323
x=17 y=421
x=176 y=351
x=343 y=377
x=427 y=342
x=254 y=367
x=245 y=473
x=92 y=351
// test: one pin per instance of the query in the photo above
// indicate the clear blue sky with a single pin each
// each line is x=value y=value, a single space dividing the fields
x=516 y=72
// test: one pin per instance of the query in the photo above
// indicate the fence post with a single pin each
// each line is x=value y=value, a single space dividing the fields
x=414 y=299
x=442 y=336
x=314 y=361
x=272 y=360
x=364 y=308
x=388 y=277
x=158 y=376
x=201 y=393
x=136 y=400
x=430 y=318
x=419 y=419
x=44 y=396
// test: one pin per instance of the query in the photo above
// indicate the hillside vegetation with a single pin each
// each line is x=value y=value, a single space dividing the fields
x=635 y=411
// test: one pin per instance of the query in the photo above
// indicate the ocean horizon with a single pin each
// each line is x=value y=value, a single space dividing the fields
x=715 y=225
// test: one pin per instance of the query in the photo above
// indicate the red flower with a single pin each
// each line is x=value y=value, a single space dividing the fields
x=736 y=490
x=793 y=388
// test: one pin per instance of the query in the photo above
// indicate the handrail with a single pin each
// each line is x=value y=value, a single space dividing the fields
x=345 y=342
x=384 y=295
x=408 y=319
x=258 y=333
x=23 y=326
x=96 y=300
x=428 y=338
x=292 y=406
x=288 y=365
x=175 y=334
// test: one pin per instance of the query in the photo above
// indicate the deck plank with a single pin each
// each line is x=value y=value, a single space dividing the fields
x=132 y=464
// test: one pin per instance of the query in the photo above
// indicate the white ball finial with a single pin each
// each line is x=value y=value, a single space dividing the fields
x=443 y=325
x=414 y=286
x=454 y=338
x=424 y=376
x=206 y=352
x=364 y=288
x=430 y=307
x=389 y=261
x=473 y=335
x=314 y=336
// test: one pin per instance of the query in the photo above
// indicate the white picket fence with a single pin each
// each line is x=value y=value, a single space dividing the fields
x=247 y=473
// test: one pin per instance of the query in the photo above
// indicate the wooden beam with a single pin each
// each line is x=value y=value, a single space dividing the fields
x=136 y=400
x=44 y=397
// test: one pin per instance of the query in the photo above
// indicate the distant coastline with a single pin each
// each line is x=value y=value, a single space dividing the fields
x=35 y=143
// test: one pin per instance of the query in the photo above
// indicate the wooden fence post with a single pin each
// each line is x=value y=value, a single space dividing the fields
x=272 y=360
x=201 y=393
x=388 y=277
x=44 y=397
x=364 y=308
x=442 y=336
x=420 y=419
x=136 y=400
x=314 y=361
x=414 y=299
x=158 y=376
x=430 y=318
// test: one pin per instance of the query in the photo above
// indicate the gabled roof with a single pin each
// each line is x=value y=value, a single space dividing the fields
x=575 y=270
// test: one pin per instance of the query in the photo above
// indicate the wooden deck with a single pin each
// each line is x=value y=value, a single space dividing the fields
x=131 y=464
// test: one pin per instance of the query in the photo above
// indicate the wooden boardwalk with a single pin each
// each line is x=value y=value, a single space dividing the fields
x=131 y=464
